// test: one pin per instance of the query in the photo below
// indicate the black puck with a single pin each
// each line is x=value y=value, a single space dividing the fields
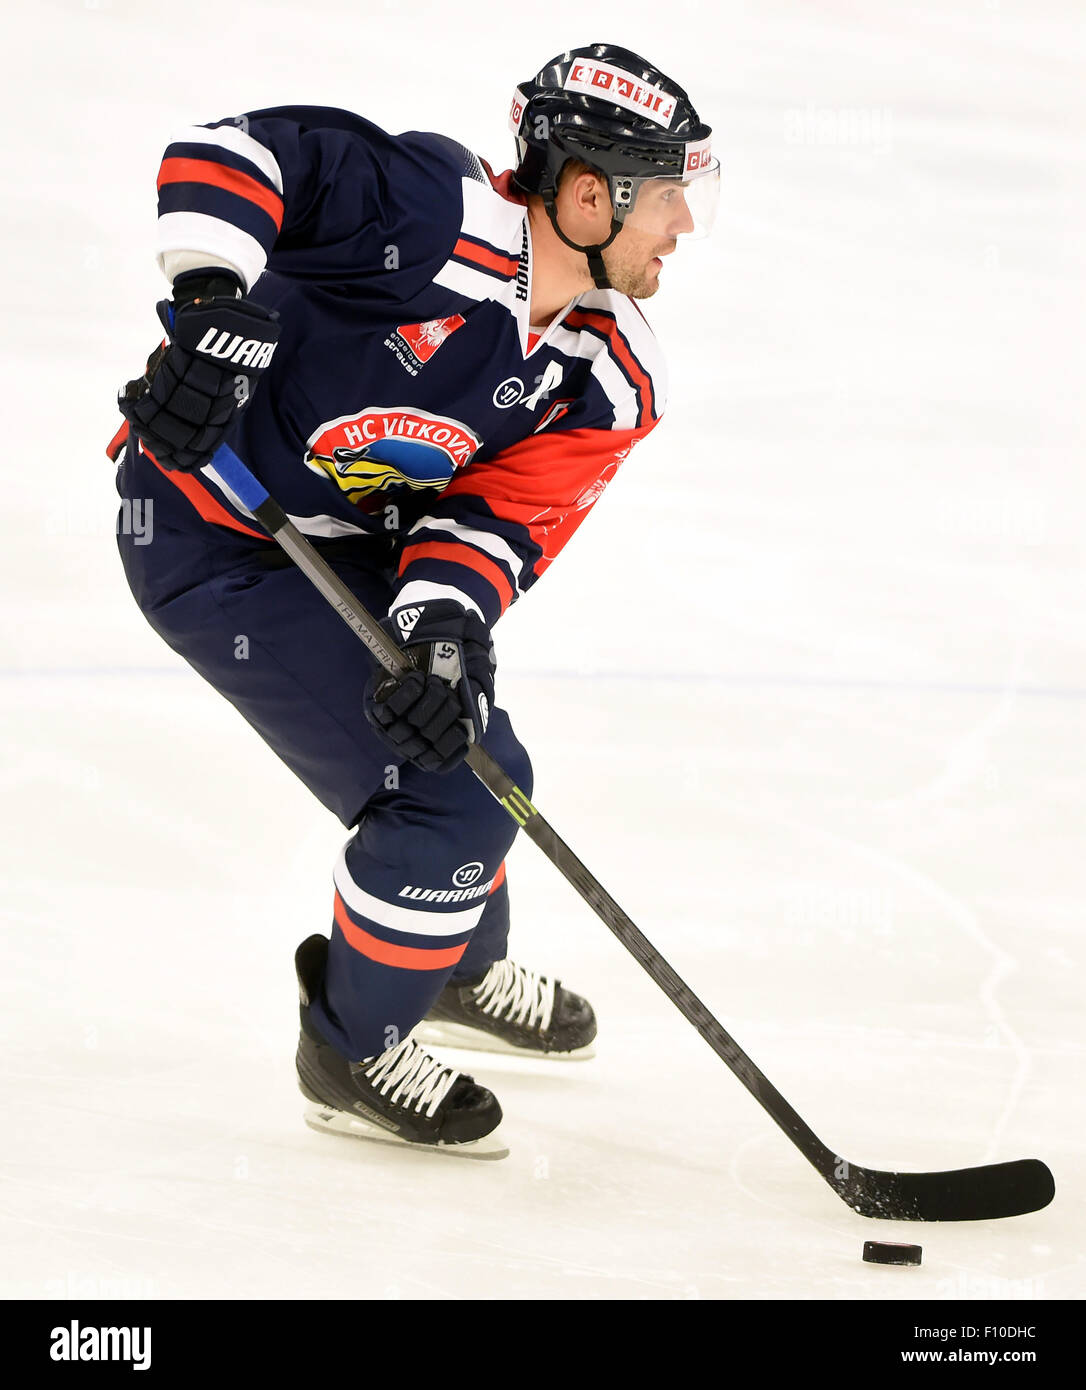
x=887 y=1252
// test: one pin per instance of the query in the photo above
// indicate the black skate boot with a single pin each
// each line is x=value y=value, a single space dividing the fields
x=513 y=1010
x=402 y=1096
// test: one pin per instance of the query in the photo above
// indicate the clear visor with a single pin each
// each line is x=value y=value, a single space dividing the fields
x=666 y=206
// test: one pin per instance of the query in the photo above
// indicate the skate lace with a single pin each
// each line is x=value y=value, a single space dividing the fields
x=516 y=994
x=409 y=1076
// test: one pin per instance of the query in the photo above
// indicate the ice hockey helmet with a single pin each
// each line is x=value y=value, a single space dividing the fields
x=625 y=119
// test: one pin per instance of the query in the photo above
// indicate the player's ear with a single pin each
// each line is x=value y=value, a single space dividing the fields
x=587 y=193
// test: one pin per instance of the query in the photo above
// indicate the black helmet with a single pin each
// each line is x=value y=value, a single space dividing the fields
x=618 y=114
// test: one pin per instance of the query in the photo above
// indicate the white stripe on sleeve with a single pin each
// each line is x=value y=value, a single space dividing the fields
x=482 y=540
x=234 y=139
x=175 y=263
x=425 y=590
x=196 y=232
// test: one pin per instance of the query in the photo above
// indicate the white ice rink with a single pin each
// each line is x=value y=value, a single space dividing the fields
x=807 y=692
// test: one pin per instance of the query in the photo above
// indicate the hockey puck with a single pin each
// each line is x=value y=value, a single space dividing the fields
x=887 y=1252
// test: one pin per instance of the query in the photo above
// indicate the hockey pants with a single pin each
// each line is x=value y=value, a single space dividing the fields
x=420 y=895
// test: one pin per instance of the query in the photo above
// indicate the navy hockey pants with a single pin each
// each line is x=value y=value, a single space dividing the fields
x=420 y=895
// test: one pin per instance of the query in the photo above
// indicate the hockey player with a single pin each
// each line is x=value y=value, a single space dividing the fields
x=435 y=371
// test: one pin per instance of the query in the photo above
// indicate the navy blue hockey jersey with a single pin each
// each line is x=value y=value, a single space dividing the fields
x=408 y=393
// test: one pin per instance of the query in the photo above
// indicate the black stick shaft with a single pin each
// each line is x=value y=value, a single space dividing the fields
x=996 y=1190
x=502 y=787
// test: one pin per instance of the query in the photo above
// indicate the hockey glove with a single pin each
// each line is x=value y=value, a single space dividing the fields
x=432 y=715
x=219 y=344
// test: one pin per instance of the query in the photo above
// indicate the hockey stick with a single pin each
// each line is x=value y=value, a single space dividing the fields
x=963 y=1194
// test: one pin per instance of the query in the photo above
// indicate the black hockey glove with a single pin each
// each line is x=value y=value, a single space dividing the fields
x=219 y=344
x=432 y=715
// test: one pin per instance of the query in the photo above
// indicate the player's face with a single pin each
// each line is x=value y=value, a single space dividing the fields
x=661 y=206
x=635 y=257
x=634 y=261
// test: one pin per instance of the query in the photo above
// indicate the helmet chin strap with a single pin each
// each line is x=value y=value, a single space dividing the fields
x=596 y=267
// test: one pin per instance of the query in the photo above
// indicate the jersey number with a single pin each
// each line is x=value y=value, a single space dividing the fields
x=551 y=377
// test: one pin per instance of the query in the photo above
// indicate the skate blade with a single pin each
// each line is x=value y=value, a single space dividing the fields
x=325 y=1119
x=438 y=1033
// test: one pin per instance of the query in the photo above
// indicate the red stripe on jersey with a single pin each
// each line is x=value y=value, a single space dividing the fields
x=469 y=251
x=179 y=170
x=461 y=555
x=587 y=318
x=115 y=447
x=201 y=499
x=548 y=482
x=401 y=957
x=499 y=878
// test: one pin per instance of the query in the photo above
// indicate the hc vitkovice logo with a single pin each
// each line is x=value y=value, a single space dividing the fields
x=385 y=447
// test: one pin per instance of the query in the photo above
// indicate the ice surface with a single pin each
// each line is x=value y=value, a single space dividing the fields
x=807 y=693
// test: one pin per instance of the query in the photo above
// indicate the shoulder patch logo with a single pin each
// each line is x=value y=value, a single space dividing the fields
x=415 y=343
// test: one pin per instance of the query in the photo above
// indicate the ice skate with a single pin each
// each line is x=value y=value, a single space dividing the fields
x=402 y=1096
x=514 y=1010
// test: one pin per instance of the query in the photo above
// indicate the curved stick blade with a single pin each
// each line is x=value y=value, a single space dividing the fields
x=962 y=1194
